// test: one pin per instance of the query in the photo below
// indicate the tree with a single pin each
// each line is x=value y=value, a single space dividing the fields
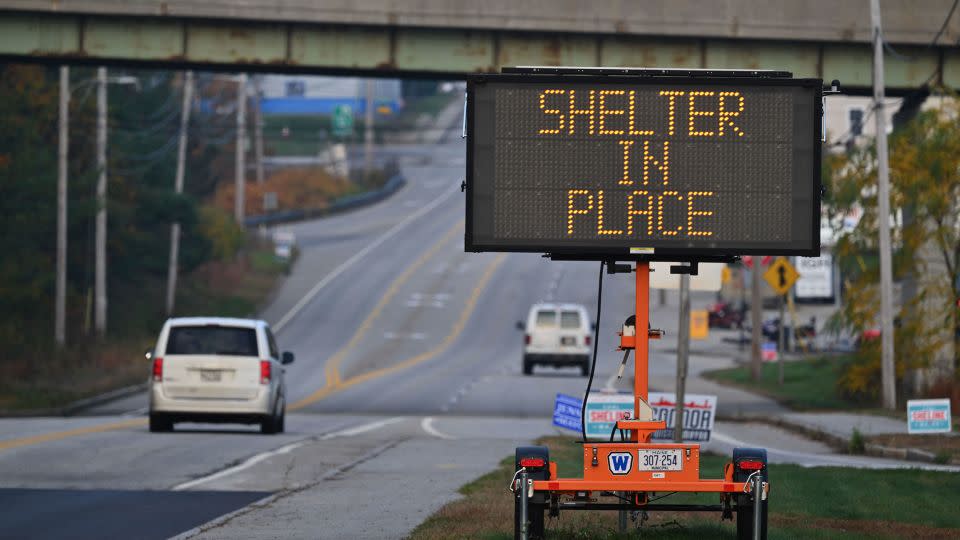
x=925 y=187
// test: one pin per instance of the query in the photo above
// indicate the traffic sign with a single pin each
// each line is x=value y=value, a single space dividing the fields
x=699 y=327
x=781 y=275
x=748 y=260
x=342 y=121
x=659 y=165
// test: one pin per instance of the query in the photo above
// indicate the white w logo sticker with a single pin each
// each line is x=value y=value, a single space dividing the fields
x=620 y=462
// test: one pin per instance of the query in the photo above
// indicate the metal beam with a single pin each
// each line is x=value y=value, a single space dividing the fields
x=449 y=52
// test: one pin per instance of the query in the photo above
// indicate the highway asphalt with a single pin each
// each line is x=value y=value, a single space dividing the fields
x=407 y=384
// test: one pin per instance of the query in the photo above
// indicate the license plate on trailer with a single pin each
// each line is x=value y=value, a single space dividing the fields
x=568 y=340
x=659 y=460
x=209 y=375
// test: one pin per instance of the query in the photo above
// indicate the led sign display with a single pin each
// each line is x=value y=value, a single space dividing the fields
x=584 y=166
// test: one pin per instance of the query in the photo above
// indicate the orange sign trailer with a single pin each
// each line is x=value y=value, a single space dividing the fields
x=632 y=471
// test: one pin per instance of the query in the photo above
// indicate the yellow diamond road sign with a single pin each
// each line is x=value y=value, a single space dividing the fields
x=781 y=275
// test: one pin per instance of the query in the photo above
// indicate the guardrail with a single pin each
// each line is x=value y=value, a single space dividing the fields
x=342 y=204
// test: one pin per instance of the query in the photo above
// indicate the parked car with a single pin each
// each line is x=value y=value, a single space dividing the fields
x=209 y=369
x=557 y=335
x=726 y=315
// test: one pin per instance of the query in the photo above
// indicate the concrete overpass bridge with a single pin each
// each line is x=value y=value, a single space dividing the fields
x=449 y=38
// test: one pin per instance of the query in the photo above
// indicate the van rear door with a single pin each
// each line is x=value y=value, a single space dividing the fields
x=211 y=362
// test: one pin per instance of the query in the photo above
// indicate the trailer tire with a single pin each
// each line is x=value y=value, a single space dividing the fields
x=537 y=505
x=744 y=501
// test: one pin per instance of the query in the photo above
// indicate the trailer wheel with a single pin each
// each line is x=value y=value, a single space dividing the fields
x=537 y=505
x=744 y=506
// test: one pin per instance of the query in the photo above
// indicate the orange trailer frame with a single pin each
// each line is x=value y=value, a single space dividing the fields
x=633 y=485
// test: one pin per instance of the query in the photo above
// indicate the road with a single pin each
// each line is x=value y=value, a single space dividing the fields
x=407 y=384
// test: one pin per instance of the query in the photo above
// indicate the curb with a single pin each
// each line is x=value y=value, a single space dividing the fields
x=839 y=443
x=79 y=405
x=343 y=204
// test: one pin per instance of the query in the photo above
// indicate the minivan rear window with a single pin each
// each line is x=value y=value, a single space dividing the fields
x=219 y=340
x=546 y=319
x=569 y=319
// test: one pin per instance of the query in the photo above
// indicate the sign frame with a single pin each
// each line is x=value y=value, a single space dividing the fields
x=645 y=78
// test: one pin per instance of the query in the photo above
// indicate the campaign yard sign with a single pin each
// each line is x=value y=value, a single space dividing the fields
x=566 y=412
x=928 y=416
x=699 y=413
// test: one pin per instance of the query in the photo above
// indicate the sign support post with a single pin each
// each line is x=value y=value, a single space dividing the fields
x=683 y=354
x=781 y=348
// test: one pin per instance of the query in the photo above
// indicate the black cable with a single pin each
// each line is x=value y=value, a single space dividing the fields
x=593 y=365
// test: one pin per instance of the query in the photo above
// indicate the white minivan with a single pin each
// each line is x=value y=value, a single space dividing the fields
x=212 y=369
x=557 y=335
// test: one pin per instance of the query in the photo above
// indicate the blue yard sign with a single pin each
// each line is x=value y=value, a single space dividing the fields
x=566 y=412
x=928 y=416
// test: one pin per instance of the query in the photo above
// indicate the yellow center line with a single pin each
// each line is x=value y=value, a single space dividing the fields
x=60 y=435
x=332 y=367
x=455 y=332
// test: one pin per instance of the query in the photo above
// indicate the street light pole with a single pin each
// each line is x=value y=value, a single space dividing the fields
x=60 y=308
x=258 y=127
x=100 y=249
x=368 y=133
x=240 y=165
x=887 y=366
x=178 y=188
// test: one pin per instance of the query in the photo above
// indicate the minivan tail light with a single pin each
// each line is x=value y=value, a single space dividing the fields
x=264 y=372
x=158 y=369
x=586 y=340
x=526 y=339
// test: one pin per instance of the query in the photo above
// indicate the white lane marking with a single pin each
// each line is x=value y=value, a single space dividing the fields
x=363 y=428
x=250 y=462
x=136 y=412
x=427 y=425
x=356 y=257
x=253 y=460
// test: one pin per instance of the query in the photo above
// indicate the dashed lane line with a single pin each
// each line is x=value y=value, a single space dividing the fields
x=455 y=332
x=356 y=257
x=332 y=366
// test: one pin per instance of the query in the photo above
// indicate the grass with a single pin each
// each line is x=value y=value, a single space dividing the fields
x=822 y=502
x=48 y=379
x=809 y=384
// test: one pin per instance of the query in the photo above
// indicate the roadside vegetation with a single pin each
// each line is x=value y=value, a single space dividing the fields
x=925 y=190
x=819 y=502
x=222 y=271
x=809 y=384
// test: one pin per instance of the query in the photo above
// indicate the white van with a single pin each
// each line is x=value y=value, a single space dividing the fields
x=557 y=335
x=211 y=369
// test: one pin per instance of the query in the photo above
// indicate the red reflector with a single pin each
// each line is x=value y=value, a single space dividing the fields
x=526 y=339
x=534 y=462
x=158 y=369
x=750 y=465
x=264 y=372
x=586 y=340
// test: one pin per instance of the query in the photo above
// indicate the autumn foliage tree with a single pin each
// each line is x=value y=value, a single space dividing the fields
x=925 y=198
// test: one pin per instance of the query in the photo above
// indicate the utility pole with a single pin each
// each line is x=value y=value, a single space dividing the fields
x=683 y=356
x=258 y=126
x=368 y=133
x=756 y=318
x=887 y=369
x=178 y=188
x=100 y=249
x=60 y=309
x=240 y=173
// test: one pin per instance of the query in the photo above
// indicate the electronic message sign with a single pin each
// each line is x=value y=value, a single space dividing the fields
x=662 y=166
